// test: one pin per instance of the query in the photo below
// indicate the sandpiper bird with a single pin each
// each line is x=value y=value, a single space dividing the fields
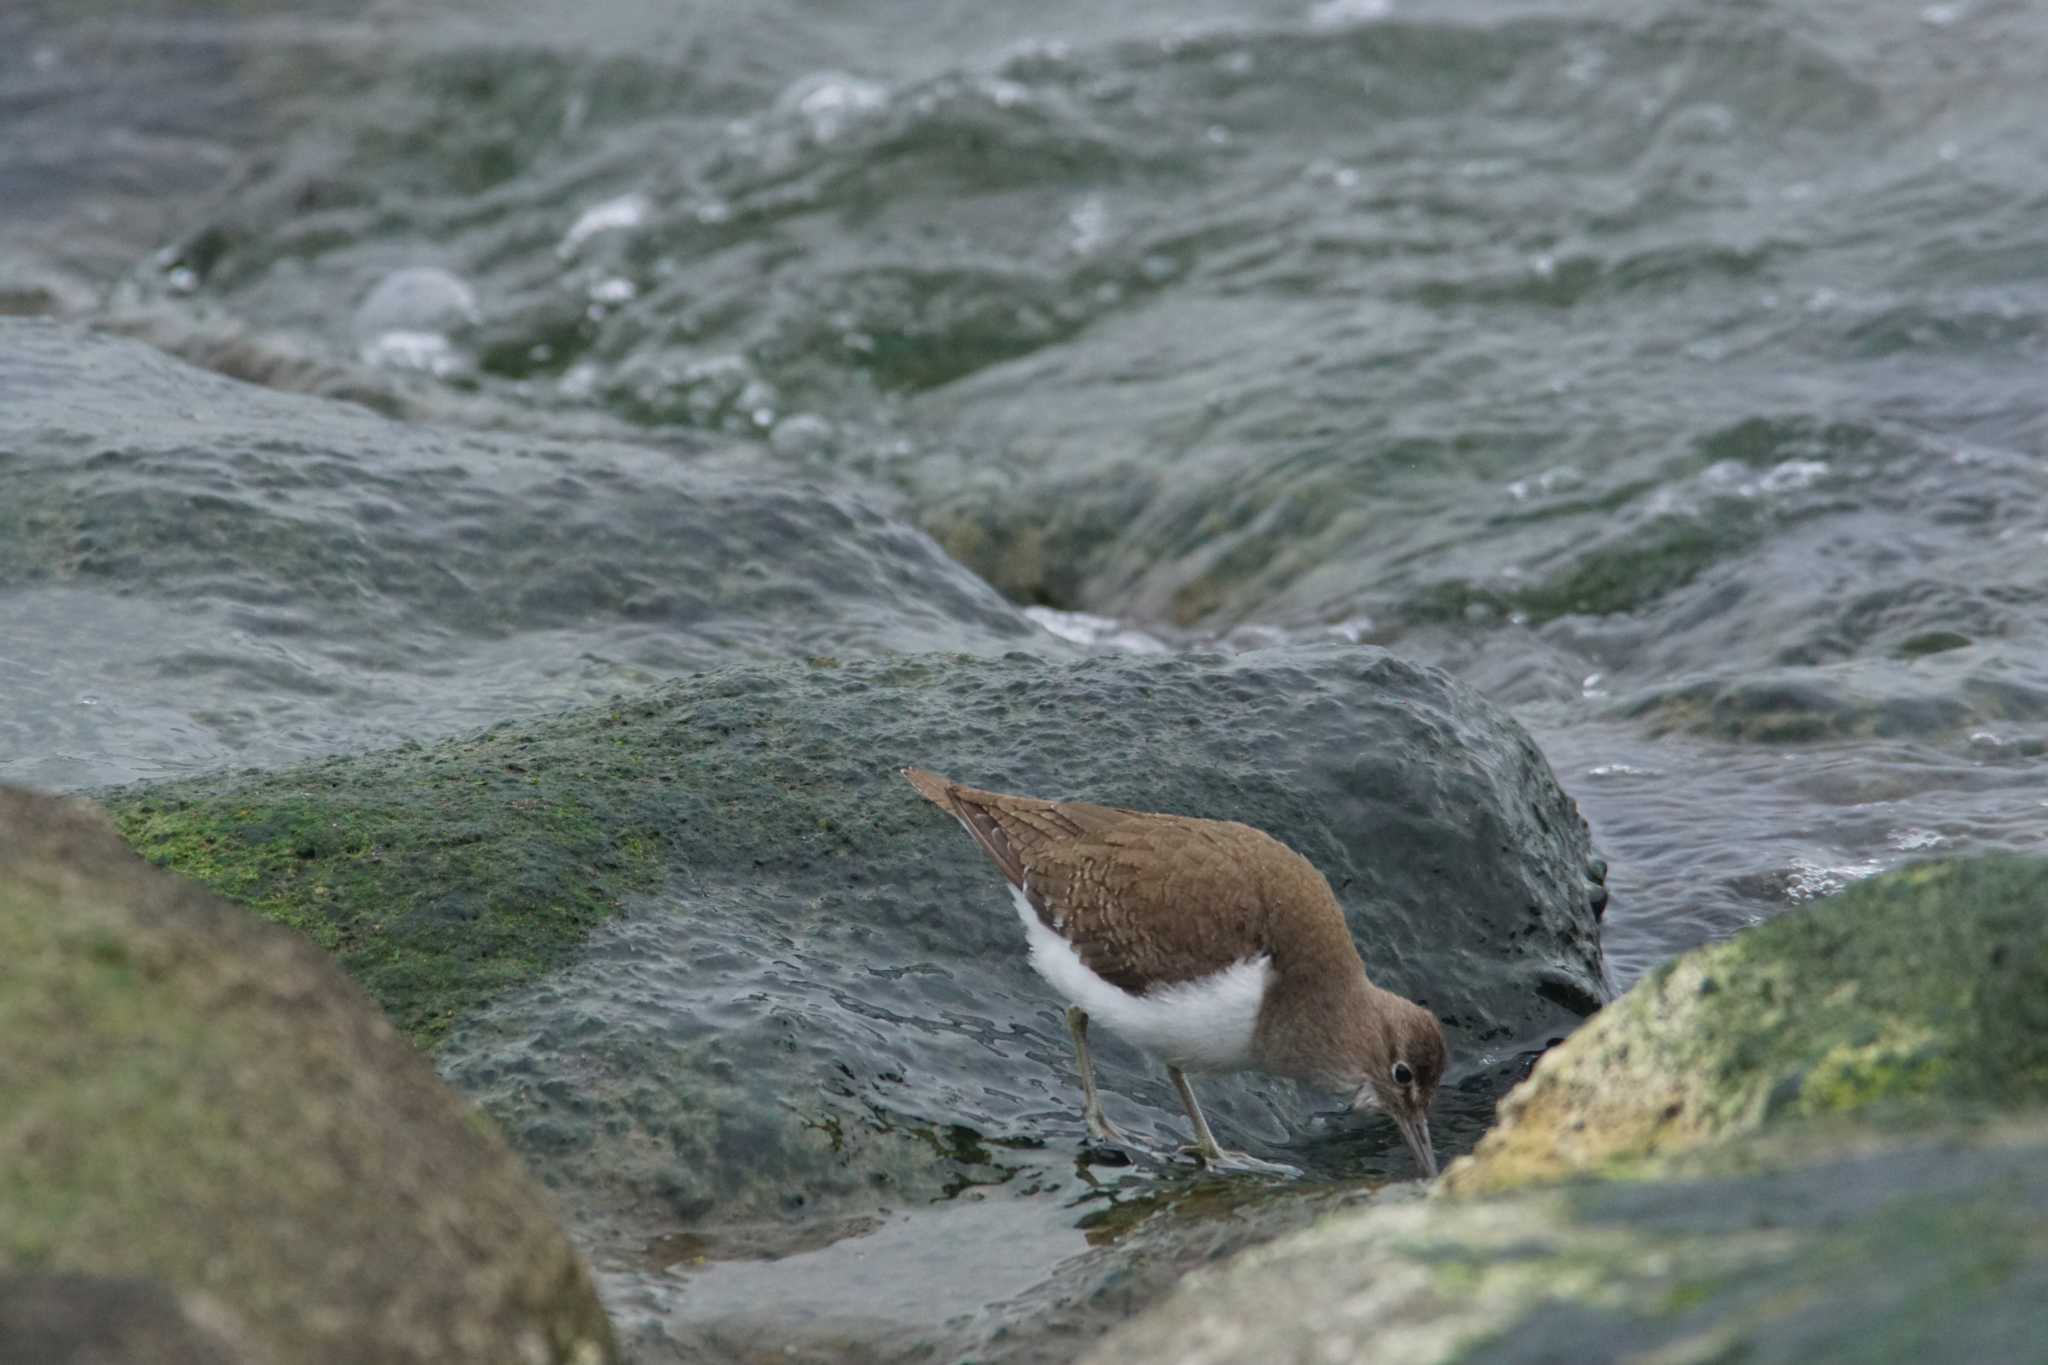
x=1207 y=943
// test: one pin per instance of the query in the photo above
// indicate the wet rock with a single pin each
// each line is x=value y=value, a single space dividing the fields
x=816 y=1003
x=55 y=1319
x=1911 y=995
x=1139 y=1250
x=342 y=581
x=229 y=1149
x=1955 y=692
x=1913 y=1249
x=1819 y=1140
x=32 y=288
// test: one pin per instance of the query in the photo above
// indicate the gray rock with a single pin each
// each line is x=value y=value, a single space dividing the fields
x=209 y=1120
x=817 y=1005
x=342 y=581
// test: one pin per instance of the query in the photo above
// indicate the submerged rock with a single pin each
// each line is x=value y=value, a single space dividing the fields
x=1819 y=1140
x=817 y=1002
x=229 y=1151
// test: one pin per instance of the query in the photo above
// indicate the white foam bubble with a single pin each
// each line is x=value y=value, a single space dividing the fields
x=613 y=215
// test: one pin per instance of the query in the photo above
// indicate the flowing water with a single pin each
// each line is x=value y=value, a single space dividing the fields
x=1676 y=374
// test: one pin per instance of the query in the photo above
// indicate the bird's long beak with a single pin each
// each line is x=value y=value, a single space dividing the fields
x=1416 y=1130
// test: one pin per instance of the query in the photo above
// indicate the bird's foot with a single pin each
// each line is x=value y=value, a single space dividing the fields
x=1102 y=1130
x=1218 y=1159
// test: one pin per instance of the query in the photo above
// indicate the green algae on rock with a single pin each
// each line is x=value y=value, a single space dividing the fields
x=202 y=1102
x=812 y=972
x=437 y=879
x=1909 y=997
x=1827 y=1132
x=1906 y=1249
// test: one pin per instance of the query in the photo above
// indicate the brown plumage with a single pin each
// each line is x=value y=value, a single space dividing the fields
x=1145 y=899
x=1149 y=902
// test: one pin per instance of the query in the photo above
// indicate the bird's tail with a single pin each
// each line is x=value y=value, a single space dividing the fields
x=935 y=789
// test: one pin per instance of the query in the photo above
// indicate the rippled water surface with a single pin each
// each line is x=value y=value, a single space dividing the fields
x=1674 y=373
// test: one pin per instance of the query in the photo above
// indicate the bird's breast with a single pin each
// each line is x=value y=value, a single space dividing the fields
x=1204 y=1023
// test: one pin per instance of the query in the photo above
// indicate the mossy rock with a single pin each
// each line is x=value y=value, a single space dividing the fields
x=437 y=878
x=1909 y=997
x=706 y=956
x=1821 y=1139
x=1903 y=1249
x=202 y=1109
x=104 y=1320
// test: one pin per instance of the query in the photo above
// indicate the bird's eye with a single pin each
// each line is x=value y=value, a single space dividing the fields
x=1402 y=1075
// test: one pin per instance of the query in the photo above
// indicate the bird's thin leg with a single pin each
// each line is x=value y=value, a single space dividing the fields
x=1205 y=1141
x=1099 y=1126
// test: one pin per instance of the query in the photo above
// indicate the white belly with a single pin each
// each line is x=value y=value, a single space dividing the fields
x=1200 y=1025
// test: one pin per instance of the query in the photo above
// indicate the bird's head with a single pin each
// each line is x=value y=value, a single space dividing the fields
x=1402 y=1069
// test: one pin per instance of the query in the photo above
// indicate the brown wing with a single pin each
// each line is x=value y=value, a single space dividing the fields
x=1145 y=899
